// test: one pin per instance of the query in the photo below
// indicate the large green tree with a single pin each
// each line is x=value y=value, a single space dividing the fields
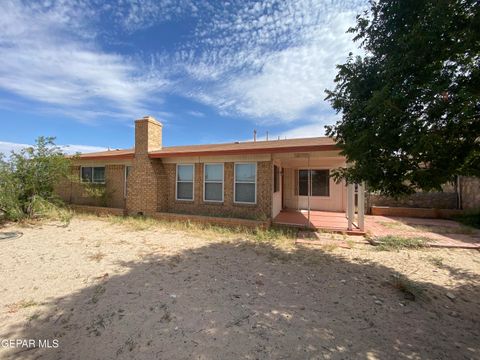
x=410 y=105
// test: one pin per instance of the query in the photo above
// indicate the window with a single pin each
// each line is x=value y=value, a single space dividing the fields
x=93 y=174
x=128 y=170
x=315 y=182
x=245 y=183
x=276 y=178
x=213 y=182
x=303 y=182
x=320 y=183
x=184 y=182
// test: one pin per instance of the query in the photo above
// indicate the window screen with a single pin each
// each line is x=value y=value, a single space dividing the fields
x=184 y=182
x=245 y=183
x=213 y=182
x=93 y=174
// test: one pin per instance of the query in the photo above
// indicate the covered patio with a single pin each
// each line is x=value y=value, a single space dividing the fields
x=319 y=220
x=305 y=194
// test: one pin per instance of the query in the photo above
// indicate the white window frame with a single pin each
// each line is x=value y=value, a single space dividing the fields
x=310 y=185
x=244 y=182
x=93 y=170
x=193 y=183
x=125 y=180
x=214 y=182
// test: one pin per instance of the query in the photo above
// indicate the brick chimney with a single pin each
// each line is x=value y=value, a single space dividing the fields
x=148 y=135
x=142 y=181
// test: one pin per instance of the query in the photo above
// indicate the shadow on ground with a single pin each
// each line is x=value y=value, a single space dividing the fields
x=251 y=301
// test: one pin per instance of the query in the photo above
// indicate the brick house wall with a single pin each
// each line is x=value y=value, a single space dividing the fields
x=152 y=182
x=74 y=192
x=115 y=185
x=162 y=187
x=261 y=210
x=142 y=186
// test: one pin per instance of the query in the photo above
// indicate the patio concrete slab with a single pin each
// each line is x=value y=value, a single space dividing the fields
x=441 y=233
x=328 y=221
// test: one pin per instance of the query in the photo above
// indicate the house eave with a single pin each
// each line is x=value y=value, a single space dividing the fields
x=272 y=150
x=106 y=157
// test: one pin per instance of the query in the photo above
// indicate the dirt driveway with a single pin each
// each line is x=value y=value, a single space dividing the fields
x=107 y=291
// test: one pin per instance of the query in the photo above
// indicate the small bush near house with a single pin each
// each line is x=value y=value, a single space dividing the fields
x=28 y=179
x=98 y=192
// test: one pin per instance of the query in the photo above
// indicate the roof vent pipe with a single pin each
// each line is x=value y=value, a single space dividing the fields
x=254 y=135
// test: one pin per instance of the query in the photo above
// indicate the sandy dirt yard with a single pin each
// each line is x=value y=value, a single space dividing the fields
x=104 y=290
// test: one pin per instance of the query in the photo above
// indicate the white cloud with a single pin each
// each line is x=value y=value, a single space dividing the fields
x=141 y=14
x=271 y=61
x=73 y=149
x=195 y=113
x=7 y=147
x=49 y=55
x=315 y=127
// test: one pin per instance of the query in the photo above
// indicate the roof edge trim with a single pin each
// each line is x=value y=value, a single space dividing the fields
x=273 y=150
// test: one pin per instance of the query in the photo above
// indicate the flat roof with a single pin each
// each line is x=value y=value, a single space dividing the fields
x=235 y=148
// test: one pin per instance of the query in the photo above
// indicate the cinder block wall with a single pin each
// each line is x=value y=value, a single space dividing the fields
x=470 y=192
x=261 y=210
x=436 y=200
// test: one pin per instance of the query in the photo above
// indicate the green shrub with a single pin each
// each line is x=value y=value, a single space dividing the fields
x=28 y=179
x=9 y=193
x=98 y=192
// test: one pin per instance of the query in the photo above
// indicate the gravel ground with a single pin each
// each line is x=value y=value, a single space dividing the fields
x=108 y=291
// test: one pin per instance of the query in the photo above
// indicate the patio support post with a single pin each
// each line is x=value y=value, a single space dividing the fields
x=309 y=188
x=350 y=205
x=361 y=206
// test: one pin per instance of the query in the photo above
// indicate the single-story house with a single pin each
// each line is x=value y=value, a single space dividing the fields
x=262 y=180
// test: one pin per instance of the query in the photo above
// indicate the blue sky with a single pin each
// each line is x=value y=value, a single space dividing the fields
x=211 y=71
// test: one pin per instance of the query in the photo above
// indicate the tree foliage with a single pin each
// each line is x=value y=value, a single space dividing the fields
x=28 y=178
x=410 y=106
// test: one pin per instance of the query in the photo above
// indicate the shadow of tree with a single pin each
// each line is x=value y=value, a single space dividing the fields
x=460 y=274
x=254 y=301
